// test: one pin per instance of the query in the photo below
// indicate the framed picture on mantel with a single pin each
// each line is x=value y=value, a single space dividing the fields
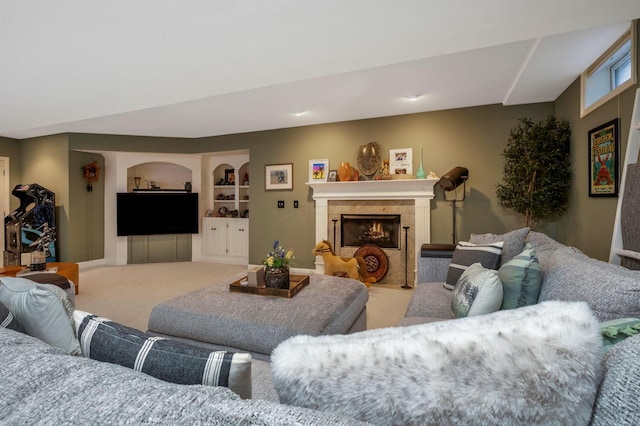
x=400 y=161
x=318 y=170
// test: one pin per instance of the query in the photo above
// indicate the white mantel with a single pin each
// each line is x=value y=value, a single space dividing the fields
x=421 y=191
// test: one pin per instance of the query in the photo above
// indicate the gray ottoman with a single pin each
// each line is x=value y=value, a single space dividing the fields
x=216 y=318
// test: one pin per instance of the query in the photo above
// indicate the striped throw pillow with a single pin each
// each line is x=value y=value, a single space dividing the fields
x=466 y=254
x=521 y=279
x=165 y=359
x=7 y=320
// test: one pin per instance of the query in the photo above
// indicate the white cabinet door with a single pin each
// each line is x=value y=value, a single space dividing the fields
x=215 y=236
x=238 y=237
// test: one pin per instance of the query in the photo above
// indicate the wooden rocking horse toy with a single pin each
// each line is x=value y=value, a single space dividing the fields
x=353 y=267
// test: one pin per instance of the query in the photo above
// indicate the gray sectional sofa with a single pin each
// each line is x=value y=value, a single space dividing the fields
x=539 y=364
x=567 y=274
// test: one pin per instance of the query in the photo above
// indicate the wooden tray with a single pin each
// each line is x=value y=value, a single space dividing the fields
x=296 y=283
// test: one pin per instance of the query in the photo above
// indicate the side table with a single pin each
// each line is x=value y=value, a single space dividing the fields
x=66 y=269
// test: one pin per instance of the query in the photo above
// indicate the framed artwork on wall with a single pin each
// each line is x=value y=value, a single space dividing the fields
x=604 y=142
x=278 y=176
x=318 y=170
x=400 y=161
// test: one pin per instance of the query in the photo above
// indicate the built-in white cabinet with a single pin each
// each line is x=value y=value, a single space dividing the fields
x=226 y=240
x=225 y=229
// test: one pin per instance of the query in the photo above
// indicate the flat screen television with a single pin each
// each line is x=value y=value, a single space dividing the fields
x=152 y=213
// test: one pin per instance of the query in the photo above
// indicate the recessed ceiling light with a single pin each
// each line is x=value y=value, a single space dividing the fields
x=298 y=113
x=413 y=97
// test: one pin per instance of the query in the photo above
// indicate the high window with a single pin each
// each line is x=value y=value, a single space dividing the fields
x=612 y=73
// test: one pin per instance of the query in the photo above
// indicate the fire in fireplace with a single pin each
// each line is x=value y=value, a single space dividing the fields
x=382 y=230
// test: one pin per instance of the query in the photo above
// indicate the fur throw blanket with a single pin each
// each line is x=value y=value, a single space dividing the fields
x=534 y=365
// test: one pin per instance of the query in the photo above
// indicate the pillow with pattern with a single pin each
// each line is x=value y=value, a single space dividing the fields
x=617 y=330
x=169 y=360
x=466 y=254
x=513 y=242
x=521 y=279
x=7 y=320
x=477 y=292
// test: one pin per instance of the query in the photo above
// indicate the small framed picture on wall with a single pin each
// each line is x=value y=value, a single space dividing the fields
x=278 y=176
x=318 y=170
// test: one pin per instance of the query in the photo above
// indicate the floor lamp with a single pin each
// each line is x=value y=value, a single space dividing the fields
x=450 y=181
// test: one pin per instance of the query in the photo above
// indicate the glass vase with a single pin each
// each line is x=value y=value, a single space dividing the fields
x=276 y=277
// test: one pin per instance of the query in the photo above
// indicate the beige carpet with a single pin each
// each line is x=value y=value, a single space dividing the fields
x=126 y=294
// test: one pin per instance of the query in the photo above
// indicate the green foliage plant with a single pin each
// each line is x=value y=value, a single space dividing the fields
x=537 y=169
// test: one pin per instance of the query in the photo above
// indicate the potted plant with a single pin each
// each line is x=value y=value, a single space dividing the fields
x=537 y=169
x=276 y=267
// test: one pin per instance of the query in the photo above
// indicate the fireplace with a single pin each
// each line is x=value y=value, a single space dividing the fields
x=408 y=198
x=382 y=230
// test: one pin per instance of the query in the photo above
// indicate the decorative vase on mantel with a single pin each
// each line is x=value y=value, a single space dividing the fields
x=277 y=277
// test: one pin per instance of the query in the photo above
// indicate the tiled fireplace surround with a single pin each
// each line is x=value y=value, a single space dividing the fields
x=409 y=198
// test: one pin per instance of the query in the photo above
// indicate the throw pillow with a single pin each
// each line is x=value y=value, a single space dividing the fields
x=615 y=331
x=7 y=320
x=41 y=311
x=521 y=279
x=168 y=360
x=477 y=292
x=466 y=254
x=513 y=242
x=617 y=401
x=474 y=370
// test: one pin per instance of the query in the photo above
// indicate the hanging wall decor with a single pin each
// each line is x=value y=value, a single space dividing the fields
x=91 y=174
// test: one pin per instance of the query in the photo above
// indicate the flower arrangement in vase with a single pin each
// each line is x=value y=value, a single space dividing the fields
x=276 y=267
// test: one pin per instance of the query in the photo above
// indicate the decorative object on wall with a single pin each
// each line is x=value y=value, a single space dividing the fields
x=91 y=173
x=318 y=170
x=401 y=161
x=604 y=143
x=278 y=176
x=450 y=181
x=369 y=160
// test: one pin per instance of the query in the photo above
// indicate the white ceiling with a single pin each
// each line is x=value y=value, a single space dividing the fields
x=212 y=67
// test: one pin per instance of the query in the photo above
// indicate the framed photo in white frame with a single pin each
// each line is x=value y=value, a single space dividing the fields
x=400 y=161
x=278 y=176
x=318 y=170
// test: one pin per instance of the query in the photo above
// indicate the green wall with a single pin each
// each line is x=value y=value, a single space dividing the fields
x=589 y=221
x=11 y=148
x=45 y=161
x=470 y=137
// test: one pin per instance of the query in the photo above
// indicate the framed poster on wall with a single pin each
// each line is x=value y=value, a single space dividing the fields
x=603 y=159
x=278 y=176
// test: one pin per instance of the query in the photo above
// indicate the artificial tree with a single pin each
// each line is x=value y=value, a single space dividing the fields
x=537 y=169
